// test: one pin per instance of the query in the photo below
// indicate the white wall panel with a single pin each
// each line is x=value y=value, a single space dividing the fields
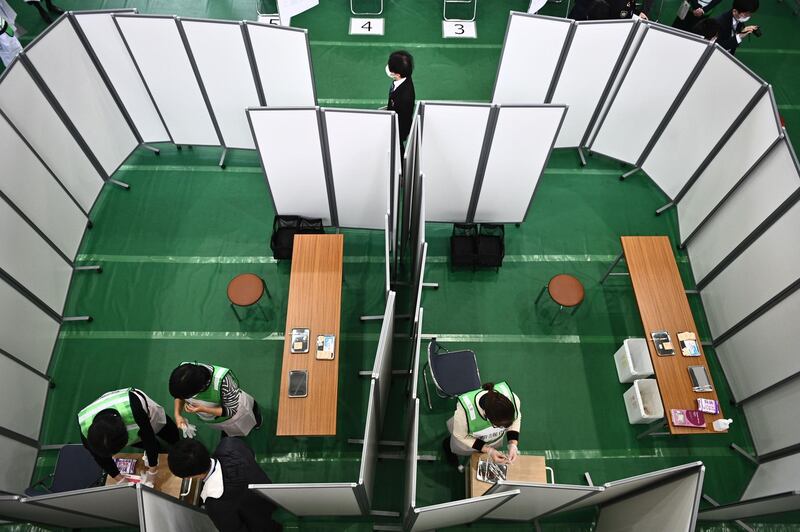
x=24 y=393
x=284 y=64
x=108 y=46
x=458 y=512
x=219 y=51
x=774 y=418
x=775 y=476
x=712 y=104
x=312 y=499
x=17 y=461
x=26 y=332
x=158 y=50
x=766 y=267
x=31 y=187
x=82 y=93
x=31 y=261
x=160 y=513
x=31 y=113
x=369 y=447
x=750 y=141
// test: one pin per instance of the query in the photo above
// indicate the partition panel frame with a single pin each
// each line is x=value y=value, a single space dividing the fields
x=414 y=514
x=21 y=500
x=41 y=500
x=353 y=486
x=511 y=484
x=562 y=58
x=322 y=124
x=140 y=502
x=745 y=503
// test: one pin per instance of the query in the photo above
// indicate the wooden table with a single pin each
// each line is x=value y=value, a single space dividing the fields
x=165 y=482
x=663 y=306
x=315 y=302
x=526 y=468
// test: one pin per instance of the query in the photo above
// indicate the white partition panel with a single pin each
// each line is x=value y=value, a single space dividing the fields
x=536 y=500
x=13 y=509
x=369 y=447
x=283 y=61
x=108 y=46
x=156 y=46
x=457 y=512
x=412 y=446
x=26 y=391
x=420 y=280
x=382 y=369
x=773 y=504
x=747 y=144
x=17 y=461
x=159 y=512
x=417 y=339
x=773 y=418
x=661 y=66
x=82 y=93
x=593 y=55
x=31 y=113
x=710 y=107
x=766 y=267
x=669 y=507
x=773 y=477
x=772 y=340
x=360 y=145
x=312 y=499
x=452 y=139
x=218 y=49
x=32 y=188
x=772 y=181
x=118 y=503
x=529 y=59
x=31 y=261
x=26 y=331
x=522 y=143
x=290 y=147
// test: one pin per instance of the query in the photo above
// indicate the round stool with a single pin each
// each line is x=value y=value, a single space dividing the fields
x=246 y=290
x=565 y=291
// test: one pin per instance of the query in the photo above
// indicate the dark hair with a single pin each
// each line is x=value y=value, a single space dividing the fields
x=708 y=28
x=745 y=6
x=187 y=380
x=401 y=62
x=599 y=10
x=188 y=458
x=107 y=434
x=499 y=409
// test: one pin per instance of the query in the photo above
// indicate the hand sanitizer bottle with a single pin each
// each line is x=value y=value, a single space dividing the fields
x=721 y=425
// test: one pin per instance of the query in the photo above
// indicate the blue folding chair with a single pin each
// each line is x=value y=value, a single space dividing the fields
x=453 y=372
x=76 y=469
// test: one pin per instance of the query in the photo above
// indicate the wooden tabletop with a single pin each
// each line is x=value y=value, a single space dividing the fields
x=663 y=306
x=165 y=482
x=315 y=302
x=526 y=468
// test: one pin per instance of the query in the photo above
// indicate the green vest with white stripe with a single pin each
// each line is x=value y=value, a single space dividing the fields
x=118 y=400
x=480 y=427
x=212 y=396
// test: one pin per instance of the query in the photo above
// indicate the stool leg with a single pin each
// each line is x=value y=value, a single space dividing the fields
x=263 y=313
x=540 y=295
x=574 y=310
x=233 y=307
x=560 y=308
x=266 y=289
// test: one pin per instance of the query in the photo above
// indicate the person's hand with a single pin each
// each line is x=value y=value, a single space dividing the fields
x=513 y=452
x=194 y=409
x=748 y=30
x=120 y=478
x=181 y=422
x=643 y=16
x=495 y=455
x=698 y=12
x=149 y=476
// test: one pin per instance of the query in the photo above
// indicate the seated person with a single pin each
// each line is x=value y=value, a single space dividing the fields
x=481 y=419
x=213 y=393
x=732 y=24
x=125 y=418
x=226 y=475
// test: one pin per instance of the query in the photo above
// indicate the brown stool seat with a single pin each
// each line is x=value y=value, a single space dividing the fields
x=245 y=289
x=566 y=290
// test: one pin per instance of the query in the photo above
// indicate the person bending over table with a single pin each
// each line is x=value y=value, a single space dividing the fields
x=213 y=393
x=226 y=475
x=481 y=419
x=125 y=418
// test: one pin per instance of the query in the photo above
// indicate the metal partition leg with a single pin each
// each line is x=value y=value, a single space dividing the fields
x=582 y=156
x=613 y=265
x=89 y=268
x=222 y=158
x=427 y=390
x=664 y=208
x=653 y=429
x=151 y=148
x=629 y=173
x=712 y=502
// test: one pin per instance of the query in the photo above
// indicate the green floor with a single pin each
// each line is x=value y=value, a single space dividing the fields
x=169 y=246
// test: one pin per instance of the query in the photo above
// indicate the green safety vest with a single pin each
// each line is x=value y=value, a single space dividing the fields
x=118 y=400
x=478 y=426
x=212 y=396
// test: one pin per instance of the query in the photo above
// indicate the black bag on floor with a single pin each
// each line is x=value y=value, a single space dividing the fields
x=283 y=230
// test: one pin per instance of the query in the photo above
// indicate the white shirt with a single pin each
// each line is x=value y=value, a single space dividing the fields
x=736 y=33
x=396 y=83
x=212 y=485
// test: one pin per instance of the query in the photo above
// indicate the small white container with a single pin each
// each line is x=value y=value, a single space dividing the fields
x=633 y=360
x=721 y=425
x=643 y=402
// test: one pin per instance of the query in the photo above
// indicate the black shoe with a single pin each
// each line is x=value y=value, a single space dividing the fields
x=257 y=414
x=449 y=455
x=53 y=8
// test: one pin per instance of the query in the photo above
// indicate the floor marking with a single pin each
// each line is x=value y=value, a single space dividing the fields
x=789 y=107
x=405 y=45
x=196 y=168
x=768 y=51
x=261 y=336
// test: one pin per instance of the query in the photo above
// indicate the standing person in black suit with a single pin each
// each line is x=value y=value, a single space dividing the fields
x=698 y=10
x=225 y=475
x=401 y=93
x=732 y=29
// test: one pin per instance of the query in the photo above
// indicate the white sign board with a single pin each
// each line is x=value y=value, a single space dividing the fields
x=366 y=26
x=463 y=29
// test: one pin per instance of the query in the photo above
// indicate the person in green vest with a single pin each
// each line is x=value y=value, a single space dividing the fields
x=213 y=393
x=126 y=418
x=481 y=419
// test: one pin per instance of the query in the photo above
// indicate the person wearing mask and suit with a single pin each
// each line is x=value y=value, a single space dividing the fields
x=226 y=475
x=481 y=419
x=698 y=10
x=732 y=24
x=402 y=97
x=125 y=418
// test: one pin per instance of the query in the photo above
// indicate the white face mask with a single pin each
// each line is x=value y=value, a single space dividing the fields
x=389 y=72
x=743 y=19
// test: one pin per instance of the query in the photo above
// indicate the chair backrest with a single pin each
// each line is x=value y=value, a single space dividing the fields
x=453 y=372
x=75 y=469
